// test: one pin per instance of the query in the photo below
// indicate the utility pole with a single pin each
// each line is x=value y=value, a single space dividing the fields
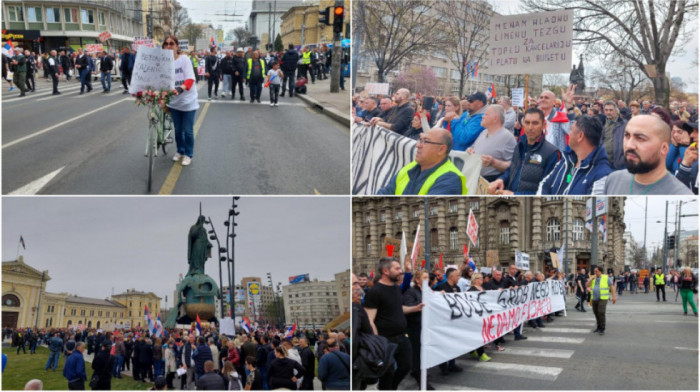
x=336 y=69
x=274 y=23
x=679 y=206
x=594 y=236
x=646 y=204
x=664 y=261
x=269 y=25
x=566 y=237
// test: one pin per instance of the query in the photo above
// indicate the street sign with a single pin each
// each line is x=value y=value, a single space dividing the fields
x=253 y=288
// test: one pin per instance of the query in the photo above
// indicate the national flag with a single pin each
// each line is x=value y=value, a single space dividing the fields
x=199 y=325
x=159 y=326
x=290 y=331
x=245 y=325
x=389 y=250
x=8 y=49
x=212 y=41
x=589 y=225
x=371 y=274
x=491 y=92
x=416 y=247
x=422 y=265
x=441 y=265
x=149 y=321
x=476 y=69
x=404 y=248
x=21 y=241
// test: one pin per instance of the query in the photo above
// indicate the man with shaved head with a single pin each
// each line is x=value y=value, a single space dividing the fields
x=646 y=144
x=398 y=118
x=555 y=131
x=432 y=172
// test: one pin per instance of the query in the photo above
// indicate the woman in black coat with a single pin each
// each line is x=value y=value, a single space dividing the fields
x=102 y=366
x=280 y=373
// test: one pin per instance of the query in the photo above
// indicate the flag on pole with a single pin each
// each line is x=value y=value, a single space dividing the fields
x=246 y=325
x=476 y=69
x=199 y=325
x=21 y=241
x=603 y=228
x=290 y=331
x=389 y=250
x=491 y=92
x=159 y=326
x=416 y=247
x=8 y=49
x=404 y=248
x=149 y=321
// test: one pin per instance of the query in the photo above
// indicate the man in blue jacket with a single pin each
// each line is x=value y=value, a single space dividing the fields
x=466 y=128
x=585 y=162
x=74 y=368
x=201 y=355
x=55 y=349
x=533 y=159
x=126 y=66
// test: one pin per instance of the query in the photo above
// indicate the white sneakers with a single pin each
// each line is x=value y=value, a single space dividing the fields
x=176 y=157
x=186 y=161
x=272 y=104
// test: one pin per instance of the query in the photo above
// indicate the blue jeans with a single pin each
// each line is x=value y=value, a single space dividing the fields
x=157 y=368
x=263 y=374
x=85 y=80
x=184 y=131
x=108 y=76
x=227 y=84
x=118 y=362
x=54 y=356
x=255 y=89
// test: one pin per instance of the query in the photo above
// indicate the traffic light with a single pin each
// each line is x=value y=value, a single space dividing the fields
x=671 y=242
x=325 y=16
x=338 y=14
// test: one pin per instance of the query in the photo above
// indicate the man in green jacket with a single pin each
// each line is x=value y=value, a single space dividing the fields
x=20 y=77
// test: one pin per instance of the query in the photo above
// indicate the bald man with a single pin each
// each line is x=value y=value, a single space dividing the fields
x=398 y=118
x=646 y=144
x=556 y=132
x=432 y=172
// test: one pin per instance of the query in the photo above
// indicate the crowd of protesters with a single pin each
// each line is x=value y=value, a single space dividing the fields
x=555 y=146
x=265 y=359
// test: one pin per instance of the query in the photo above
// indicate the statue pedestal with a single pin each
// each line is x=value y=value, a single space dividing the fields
x=197 y=294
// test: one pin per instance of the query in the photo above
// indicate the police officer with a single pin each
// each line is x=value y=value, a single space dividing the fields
x=660 y=284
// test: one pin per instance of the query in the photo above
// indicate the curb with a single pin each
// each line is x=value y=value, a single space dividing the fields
x=328 y=111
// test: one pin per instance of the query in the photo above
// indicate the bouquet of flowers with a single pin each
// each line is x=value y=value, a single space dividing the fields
x=153 y=97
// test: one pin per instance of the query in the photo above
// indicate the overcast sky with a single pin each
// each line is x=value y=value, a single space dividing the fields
x=204 y=11
x=682 y=66
x=91 y=245
x=656 y=210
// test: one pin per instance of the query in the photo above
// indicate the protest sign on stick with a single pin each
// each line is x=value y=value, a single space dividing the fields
x=154 y=68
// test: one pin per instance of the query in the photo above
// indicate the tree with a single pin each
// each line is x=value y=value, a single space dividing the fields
x=393 y=30
x=417 y=79
x=465 y=32
x=180 y=18
x=643 y=32
x=625 y=80
x=242 y=36
x=555 y=82
x=192 y=32
x=279 y=47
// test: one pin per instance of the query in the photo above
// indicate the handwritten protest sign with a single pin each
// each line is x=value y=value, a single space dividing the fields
x=93 y=48
x=104 y=36
x=522 y=260
x=154 y=69
x=377 y=88
x=142 y=42
x=184 y=45
x=492 y=258
x=518 y=97
x=535 y=43
x=454 y=324
x=472 y=228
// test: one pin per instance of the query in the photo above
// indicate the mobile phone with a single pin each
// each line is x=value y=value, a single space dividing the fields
x=428 y=103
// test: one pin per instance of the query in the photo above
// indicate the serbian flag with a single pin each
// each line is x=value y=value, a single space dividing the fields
x=371 y=274
x=491 y=92
x=245 y=325
x=159 y=327
x=21 y=241
x=441 y=265
x=199 y=325
x=8 y=49
x=476 y=69
x=149 y=321
x=290 y=331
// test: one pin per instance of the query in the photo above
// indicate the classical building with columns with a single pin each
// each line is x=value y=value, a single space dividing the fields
x=533 y=225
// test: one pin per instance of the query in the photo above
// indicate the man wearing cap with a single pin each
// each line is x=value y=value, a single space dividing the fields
x=687 y=172
x=289 y=69
x=74 y=368
x=533 y=159
x=102 y=366
x=467 y=127
x=646 y=145
x=432 y=172
x=239 y=70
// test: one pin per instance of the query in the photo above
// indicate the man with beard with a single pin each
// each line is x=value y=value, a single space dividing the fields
x=386 y=312
x=646 y=145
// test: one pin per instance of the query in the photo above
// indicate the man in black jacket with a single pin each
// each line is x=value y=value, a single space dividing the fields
x=227 y=73
x=82 y=64
x=106 y=66
x=66 y=63
x=212 y=72
x=289 y=69
x=102 y=366
x=308 y=361
x=53 y=71
x=239 y=72
x=210 y=381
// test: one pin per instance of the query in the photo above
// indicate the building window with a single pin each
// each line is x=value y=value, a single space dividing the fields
x=103 y=21
x=399 y=215
x=505 y=233
x=92 y=313
x=433 y=209
x=87 y=16
x=453 y=238
x=382 y=216
x=368 y=218
x=578 y=229
x=16 y=13
x=579 y=198
x=10 y=300
x=82 y=312
x=99 y=314
x=70 y=15
x=440 y=72
x=552 y=198
x=416 y=211
x=130 y=304
x=474 y=205
x=433 y=237
x=553 y=229
x=453 y=206
x=368 y=245
x=454 y=74
x=34 y=14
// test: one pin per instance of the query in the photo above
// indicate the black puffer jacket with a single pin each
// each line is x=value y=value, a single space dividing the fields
x=289 y=61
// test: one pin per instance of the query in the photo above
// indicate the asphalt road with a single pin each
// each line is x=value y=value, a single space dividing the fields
x=647 y=346
x=94 y=143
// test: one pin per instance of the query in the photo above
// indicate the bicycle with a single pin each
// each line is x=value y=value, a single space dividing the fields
x=160 y=129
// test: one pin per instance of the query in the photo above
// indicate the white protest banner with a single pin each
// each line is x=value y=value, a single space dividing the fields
x=378 y=154
x=518 y=99
x=522 y=260
x=537 y=43
x=93 y=48
x=377 y=88
x=454 y=324
x=154 y=69
x=104 y=36
x=485 y=270
x=227 y=326
x=142 y=42
x=472 y=228
x=184 y=45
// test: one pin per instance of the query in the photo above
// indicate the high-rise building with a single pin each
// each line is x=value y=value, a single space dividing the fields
x=311 y=304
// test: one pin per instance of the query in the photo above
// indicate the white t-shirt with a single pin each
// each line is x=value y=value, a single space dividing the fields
x=274 y=76
x=187 y=101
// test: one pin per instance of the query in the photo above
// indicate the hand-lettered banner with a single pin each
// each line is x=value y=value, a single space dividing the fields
x=378 y=154
x=454 y=324
x=536 y=43
x=154 y=68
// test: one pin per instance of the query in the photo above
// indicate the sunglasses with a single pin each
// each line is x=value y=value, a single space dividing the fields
x=169 y=43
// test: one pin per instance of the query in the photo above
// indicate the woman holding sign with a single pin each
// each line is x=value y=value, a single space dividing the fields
x=183 y=106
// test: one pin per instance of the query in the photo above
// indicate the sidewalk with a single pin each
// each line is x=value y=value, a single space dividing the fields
x=334 y=105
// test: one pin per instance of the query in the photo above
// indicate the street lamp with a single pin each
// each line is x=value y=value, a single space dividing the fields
x=231 y=224
x=222 y=251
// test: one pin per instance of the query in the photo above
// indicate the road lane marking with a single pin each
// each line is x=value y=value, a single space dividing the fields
x=43 y=131
x=235 y=102
x=548 y=373
x=686 y=348
x=171 y=179
x=555 y=339
x=536 y=352
x=35 y=186
x=676 y=321
x=39 y=94
x=567 y=330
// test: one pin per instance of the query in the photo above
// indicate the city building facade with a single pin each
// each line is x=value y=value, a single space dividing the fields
x=46 y=25
x=265 y=19
x=26 y=303
x=311 y=304
x=532 y=225
x=160 y=12
x=300 y=24
x=342 y=287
